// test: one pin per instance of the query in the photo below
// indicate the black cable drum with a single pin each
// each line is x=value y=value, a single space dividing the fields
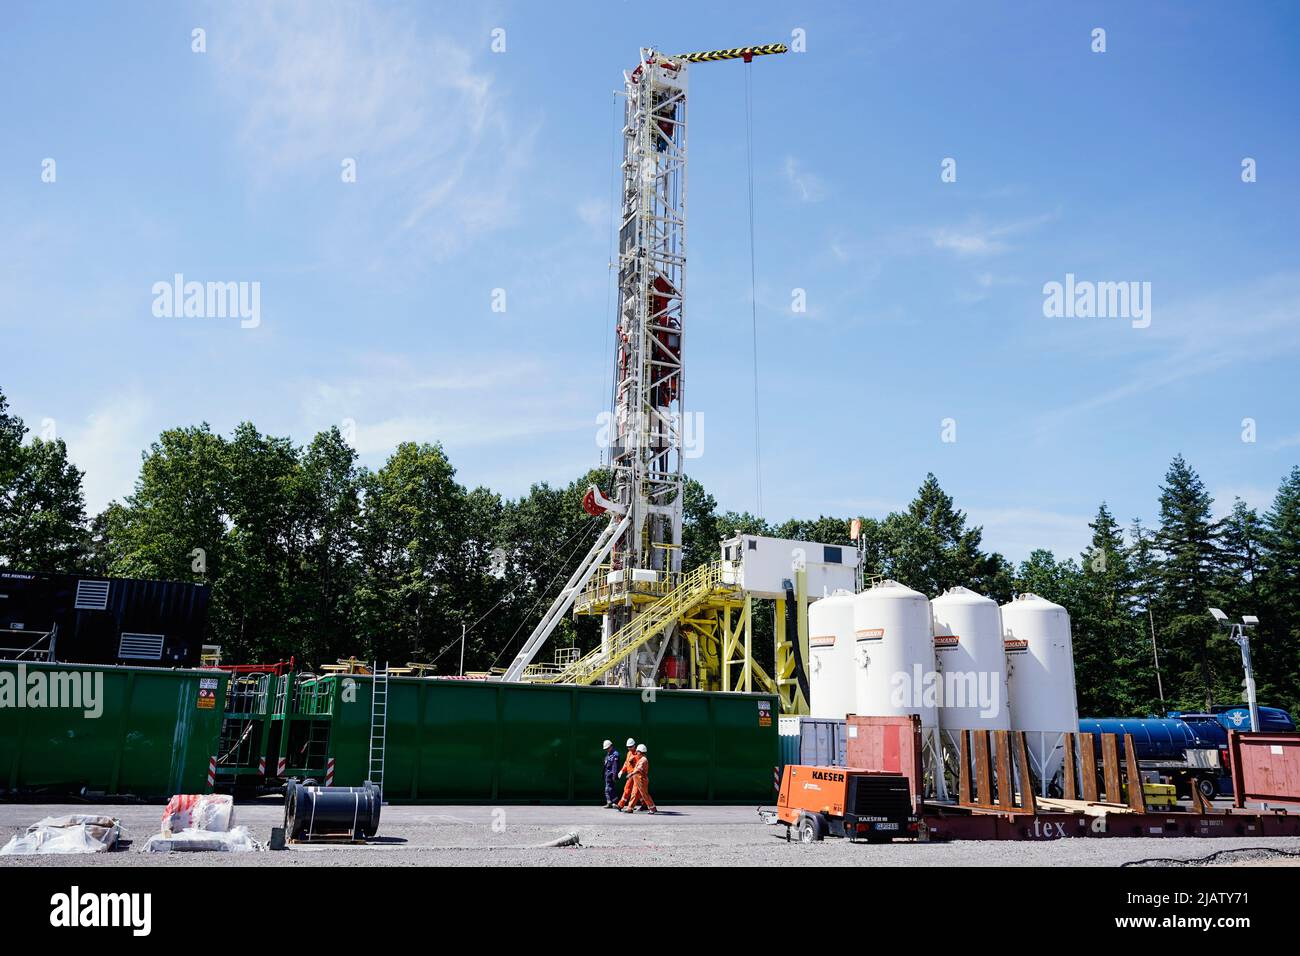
x=311 y=812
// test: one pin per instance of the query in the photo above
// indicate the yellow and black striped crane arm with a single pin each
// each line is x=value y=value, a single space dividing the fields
x=745 y=53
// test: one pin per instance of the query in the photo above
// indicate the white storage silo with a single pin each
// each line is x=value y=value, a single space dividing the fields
x=893 y=655
x=969 y=656
x=1040 y=679
x=832 y=686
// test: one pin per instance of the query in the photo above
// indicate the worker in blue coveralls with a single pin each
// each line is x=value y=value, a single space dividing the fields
x=611 y=772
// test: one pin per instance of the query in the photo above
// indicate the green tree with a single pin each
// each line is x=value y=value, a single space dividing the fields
x=1042 y=574
x=1199 y=658
x=1144 y=568
x=12 y=431
x=42 y=506
x=173 y=525
x=1110 y=666
x=43 y=512
x=1276 y=645
x=411 y=531
x=324 y=507
x=701 y=530
x=253 y=594
x=546 y=533
x=930 y=548
x=484 y=586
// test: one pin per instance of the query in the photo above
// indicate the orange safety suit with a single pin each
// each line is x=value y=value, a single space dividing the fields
x=641 y=778
x=629 y=765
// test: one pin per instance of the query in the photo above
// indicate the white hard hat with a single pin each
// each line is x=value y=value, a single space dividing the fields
x=631 y=742
x=640 y=748
x=607 y=744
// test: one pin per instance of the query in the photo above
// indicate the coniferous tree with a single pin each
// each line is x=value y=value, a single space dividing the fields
x=1144 y=567
x=1276 y=645
x=1109 y=664
x=308 y=555
x=930 y=548
x=1189 y=544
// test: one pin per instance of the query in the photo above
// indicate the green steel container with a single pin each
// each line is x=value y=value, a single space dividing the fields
x=153 y=736
x=447 y=741
x=454 y=741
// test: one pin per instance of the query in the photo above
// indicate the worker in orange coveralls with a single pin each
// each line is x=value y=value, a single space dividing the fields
x=641 y=780
x=628 y=766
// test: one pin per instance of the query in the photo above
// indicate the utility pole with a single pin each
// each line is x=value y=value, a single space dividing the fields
x=1155 y=656
x=462 y=650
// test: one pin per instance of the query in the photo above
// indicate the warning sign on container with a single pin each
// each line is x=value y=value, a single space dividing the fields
x=207 y=693
x=765 y=713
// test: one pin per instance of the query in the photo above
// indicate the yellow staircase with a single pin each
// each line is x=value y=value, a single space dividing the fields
x=695 y=588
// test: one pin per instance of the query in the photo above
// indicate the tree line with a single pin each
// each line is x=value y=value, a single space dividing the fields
x=310 y=554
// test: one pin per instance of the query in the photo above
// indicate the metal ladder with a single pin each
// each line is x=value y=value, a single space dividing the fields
x=378 y=724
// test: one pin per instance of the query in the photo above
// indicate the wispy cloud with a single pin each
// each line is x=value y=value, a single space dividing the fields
x=807 y=186
x=977 y=239
x=1195 y=337
x=468 y=401
x=594 y=214
x=1288 y=441
x=317 y=83
x=1255 y=496
x=1015 y=532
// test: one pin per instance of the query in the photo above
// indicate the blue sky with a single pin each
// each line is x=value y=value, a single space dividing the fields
x=479 y=170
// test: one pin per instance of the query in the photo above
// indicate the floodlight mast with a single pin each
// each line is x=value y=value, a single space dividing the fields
x=1238 y=633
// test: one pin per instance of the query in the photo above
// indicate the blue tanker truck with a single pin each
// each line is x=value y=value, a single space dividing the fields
x=1189 y=749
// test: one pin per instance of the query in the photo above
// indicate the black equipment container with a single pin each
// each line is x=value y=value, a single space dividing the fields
x=315 y=813
x=89 y=620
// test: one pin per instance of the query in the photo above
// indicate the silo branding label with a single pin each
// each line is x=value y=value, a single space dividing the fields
x=1015 y=647
x=824 y=640
x=946 y=642
x=871 y=634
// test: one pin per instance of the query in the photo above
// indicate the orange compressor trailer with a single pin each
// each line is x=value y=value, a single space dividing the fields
x=843 y=801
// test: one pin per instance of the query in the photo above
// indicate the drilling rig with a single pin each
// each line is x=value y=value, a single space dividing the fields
x=700 y=623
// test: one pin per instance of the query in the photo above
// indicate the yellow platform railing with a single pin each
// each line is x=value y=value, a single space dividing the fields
x=694 y=588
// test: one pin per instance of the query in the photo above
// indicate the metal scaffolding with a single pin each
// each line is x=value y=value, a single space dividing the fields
x=637 y=560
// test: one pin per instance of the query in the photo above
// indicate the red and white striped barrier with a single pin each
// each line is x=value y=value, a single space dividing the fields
x=261 y=766
x=329 y=772
x=280 y=765
x=212 y=770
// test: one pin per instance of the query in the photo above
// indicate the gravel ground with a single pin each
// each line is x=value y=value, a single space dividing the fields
x=679 y=836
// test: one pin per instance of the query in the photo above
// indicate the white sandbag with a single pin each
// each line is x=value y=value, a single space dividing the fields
x=77 y=833
x=207 y=811
x=233 y=841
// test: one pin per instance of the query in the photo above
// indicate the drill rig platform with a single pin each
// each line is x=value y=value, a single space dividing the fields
x=659 y=624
